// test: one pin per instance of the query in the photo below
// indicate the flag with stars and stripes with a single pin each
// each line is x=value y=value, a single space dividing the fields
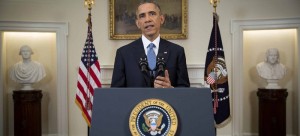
x=211 y=78
x=216 y=76
x=88 y=76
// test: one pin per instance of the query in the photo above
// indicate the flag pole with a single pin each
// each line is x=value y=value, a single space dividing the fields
x=89 y=4
x=215 y=58
x=216 y=74
x=215 y=4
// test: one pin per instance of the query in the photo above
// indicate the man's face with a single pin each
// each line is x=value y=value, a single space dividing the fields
x=273 y=57
x=149 y=20
x=26 y=53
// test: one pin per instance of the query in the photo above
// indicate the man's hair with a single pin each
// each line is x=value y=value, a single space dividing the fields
x=148 y=1
x=25 y=46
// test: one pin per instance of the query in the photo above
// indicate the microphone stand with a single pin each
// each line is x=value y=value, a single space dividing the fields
x=161 y=65
x=158 y=71
x=144 y=68
x=152 y=77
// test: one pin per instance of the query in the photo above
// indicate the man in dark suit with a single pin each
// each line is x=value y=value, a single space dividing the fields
x=127 y=71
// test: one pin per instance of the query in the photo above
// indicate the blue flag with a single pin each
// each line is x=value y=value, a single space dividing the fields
x=216 y=76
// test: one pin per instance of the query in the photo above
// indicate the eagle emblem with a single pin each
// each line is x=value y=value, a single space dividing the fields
x=153 y=120
x=217 y=73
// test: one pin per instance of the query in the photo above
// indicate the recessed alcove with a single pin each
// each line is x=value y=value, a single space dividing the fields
x=49 y=44
x=43 y=45
x=251 y=39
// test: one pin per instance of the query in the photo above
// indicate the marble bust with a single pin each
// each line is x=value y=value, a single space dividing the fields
x=27 y=72
x=271 y=69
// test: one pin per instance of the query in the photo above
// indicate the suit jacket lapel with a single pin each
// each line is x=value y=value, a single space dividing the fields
x=139 y=50
x=163 y=49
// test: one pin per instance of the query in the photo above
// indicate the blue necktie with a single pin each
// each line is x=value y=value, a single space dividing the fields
x=151 y=56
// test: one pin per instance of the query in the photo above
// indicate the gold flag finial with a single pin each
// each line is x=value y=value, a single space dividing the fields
x=89 y=3
x=215 y=4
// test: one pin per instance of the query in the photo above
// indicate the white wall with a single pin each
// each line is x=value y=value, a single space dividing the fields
x=199 y=28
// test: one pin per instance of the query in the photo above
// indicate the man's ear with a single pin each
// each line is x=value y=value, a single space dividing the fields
x=162 y=19
x=137 y=24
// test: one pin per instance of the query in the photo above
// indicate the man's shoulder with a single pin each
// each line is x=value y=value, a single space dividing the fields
x=169 y=43
x=131 y=45
x=261 y=64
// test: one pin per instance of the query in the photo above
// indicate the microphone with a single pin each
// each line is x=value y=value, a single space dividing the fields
x=144 y=64
x=161 y=65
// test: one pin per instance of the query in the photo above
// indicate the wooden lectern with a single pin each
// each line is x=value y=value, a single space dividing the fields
x=27 y=112
x=272 y=111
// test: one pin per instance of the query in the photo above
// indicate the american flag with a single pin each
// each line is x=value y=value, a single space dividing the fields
x=88 y=76
x=211 y=78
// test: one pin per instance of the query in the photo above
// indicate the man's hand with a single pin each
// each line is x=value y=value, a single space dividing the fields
x=163 y=82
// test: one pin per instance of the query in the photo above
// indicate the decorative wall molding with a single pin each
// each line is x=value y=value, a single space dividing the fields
x=61 y=30
x=237 y=28
x=196 y=75
x=2 y=100
x=31 y=1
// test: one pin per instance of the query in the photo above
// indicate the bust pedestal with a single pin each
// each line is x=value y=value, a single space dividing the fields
x=272 y=84
x=272 y=111
x=27 y=112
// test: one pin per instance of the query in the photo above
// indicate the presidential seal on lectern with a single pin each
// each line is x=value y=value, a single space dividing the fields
x=153 y=117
